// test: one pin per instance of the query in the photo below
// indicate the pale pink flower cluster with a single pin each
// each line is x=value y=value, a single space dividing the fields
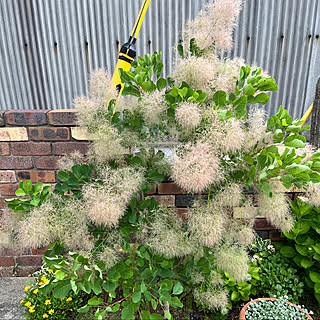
x=227 y=74
x=257 y=127
x=234 y=260
x=166 y=236
x=276 y=210
x=68 y=161
x=106 y=145
x=231 y=196
x=312 y=195
x=206 y=224
x=86 y=111
x=197 y=168
x=213 y=27
x=101 y=88
x=188 y=115
x=106 y=204
x=240 y=234
x=227 y=136
x=153 y=106
x=213 y=300
x=198 y=72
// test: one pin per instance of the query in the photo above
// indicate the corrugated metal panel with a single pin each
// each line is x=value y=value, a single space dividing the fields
x=48 y=47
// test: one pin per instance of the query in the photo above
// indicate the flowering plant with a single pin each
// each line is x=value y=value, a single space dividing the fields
x=39 y=306
x=198 y=129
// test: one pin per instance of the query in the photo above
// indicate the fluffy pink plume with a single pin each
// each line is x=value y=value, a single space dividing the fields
x=197 y=168
x=214 y=25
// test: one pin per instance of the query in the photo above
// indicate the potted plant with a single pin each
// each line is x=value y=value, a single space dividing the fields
x=273 y=308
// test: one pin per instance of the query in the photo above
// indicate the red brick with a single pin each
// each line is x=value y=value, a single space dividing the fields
x=31 y=148
x=29 y=260
x=62 y=148
x=262 y=224
x=37 y=176
x=16 y=163
x=170 y=188
x=6 y=261
x=12 y=252
x=39 y=251
x=8 y=189
x=4 y=149
x=27 y=117
x=46 y=162
x=23 y=271
x=276 y=236
x=182 y=212
x=49 y=133
x=67 y=117
x=164 y=200
x=4 y=205
x=6 y=272
x=7 y=176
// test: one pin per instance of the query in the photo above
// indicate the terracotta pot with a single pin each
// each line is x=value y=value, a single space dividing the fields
x=244 y=309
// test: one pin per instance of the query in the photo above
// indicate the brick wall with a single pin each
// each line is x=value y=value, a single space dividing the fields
x=31 y=142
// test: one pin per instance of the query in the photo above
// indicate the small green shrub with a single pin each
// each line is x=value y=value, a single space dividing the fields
x=274 y=310
x=303 y=245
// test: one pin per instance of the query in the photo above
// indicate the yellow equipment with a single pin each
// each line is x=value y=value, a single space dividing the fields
x=306 y=115
x=128 y=50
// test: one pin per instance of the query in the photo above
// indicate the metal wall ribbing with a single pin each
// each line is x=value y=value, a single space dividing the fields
x=48 y=47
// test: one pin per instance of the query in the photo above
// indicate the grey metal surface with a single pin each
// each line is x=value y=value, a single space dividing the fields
x=48 y=47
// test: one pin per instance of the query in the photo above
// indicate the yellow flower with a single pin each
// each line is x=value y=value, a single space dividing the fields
x=41 y=283
x=62 y=299
x=47 y=302
x=35 y=291
x=28 y=304
x=51 y=311
x=50 y=271
x=27 y=288
x=69 y=299
x=44 y=279
x=31 y=309
x=45 y=316
x=22 y=301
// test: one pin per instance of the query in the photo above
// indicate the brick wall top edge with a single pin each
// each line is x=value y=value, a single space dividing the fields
x=59 y=117
x=26 y=117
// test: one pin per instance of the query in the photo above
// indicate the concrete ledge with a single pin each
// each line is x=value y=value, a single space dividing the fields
x=11 y=293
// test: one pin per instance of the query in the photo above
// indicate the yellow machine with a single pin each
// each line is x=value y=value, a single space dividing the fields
x=128 y=50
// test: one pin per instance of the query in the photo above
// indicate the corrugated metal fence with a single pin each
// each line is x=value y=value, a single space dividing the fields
x=48 y=47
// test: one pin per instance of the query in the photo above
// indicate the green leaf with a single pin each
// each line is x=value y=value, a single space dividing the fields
x=176 y=303
x=27 y=185
x=220 y=98
x=167 y=314
x=262 y=98
x=143 y=287
x=100 y=314
x=131 y=91
x=305 y=263
x=315 y=276
x=180 y=50
x=148 y=86
x=155 y=316
x=62 y=289
x=317 y=288
x=161 y=84
x=63 y=176
x=84 y=309
x=127 y=312
x=288 y=252
x=178 y=288
x=136 y=297
x=95 y=301
x=20 y=193
x=249 y=90
x=60 y=275
x=153 y=304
